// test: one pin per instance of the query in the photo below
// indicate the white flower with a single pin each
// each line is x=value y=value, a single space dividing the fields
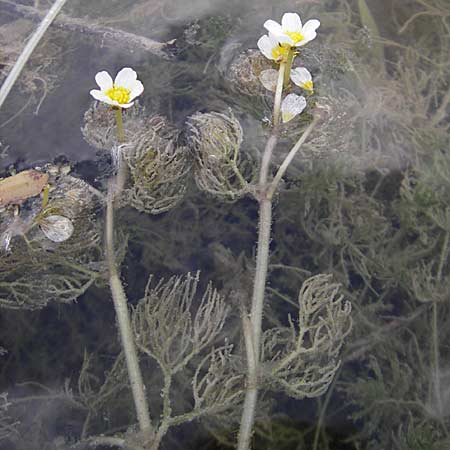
x=126 y=87
x=301 y=77
x=271 y=48
x=291 y=31
x=291 y=106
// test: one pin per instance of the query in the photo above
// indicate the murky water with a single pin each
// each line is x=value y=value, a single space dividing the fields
x=365 y=200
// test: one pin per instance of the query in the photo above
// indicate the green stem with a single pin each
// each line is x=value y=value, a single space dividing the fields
x=278 y=94
x=45 y=192
x=119 y=122
x=435 y=333
x=287 y=73
x=443 y=256
x=285 y=164
x=435 y=345
x=167 y=411
x=123 y=317
x=323 y=408
x=252 y=330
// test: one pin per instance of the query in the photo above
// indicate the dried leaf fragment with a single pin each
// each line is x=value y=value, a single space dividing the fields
x=17 y=188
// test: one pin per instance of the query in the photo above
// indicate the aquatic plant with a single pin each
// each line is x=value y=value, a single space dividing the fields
x=158 y=166
x=221 y=171
x=8 y=426
x=221 y=168
x=150 y=172
x=289 y=107
x=366 y=201
x=119 y=94
x=99 y=125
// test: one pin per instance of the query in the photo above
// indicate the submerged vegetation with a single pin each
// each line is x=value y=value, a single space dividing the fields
x=343 y=302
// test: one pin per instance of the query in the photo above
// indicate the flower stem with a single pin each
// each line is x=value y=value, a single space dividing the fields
x=259 y=284
x=285 y=164
x=287 y=73
x=434 y=327
x=119 y=122
x=123 y=317
x=45 y=193
x=278 y=94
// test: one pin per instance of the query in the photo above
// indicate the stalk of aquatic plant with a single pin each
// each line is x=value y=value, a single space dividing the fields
x=123 y=318
x=120 y=94
x=163 y=327
x=302 y=359
x=179 y=340
x=280 y=46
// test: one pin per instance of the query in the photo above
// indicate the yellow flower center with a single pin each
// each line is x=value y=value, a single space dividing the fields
x=119 y=94
x=280 y=52
x=295 y=36
x=308 y=85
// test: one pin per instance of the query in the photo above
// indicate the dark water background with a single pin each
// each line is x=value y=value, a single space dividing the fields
x=47 y=346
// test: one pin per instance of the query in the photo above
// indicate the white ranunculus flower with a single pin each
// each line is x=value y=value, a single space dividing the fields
x=301 y=77
x=271 y=48
x=291 y=31
x=291 y=106
x=125 y=88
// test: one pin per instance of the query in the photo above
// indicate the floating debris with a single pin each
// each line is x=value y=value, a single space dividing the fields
x=18 y=188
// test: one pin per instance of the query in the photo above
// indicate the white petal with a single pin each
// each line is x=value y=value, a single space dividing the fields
x=300 y=75
x=273 y=27
x=126 y=78
x=291 y=22
x=57 y=228
x=126 y=105
x=291 y=106
x=280 y=39
x=307 y=39
x=100 y=96
x=276 y=40
x=269 y=79
x=309 y=30
x=265 y=45
x=104 y=80
x=136 y=89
